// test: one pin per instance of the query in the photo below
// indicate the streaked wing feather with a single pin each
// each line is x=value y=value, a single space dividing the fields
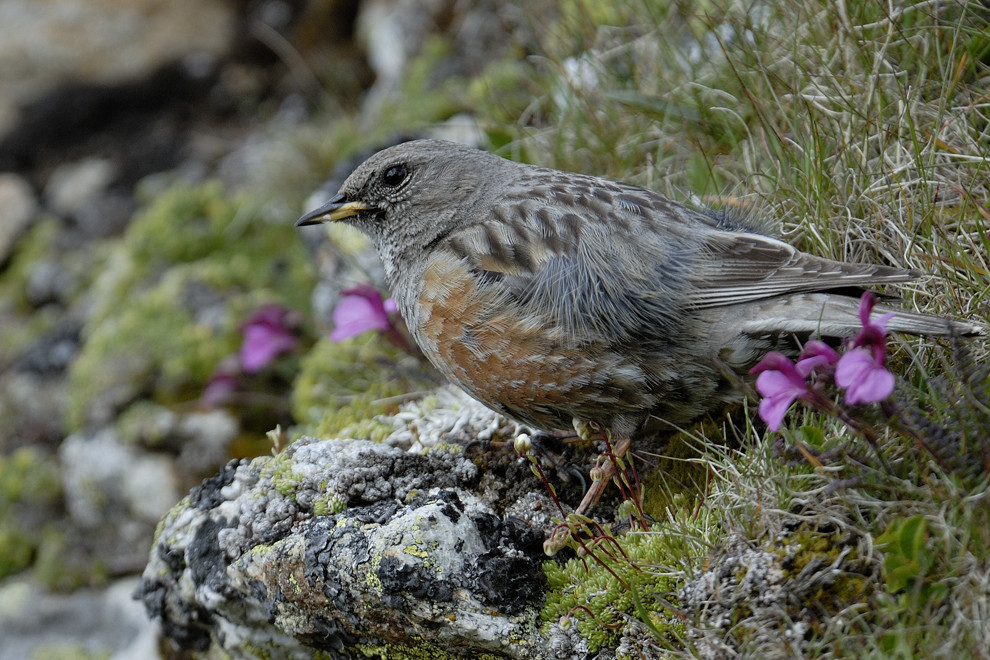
x=742 y=267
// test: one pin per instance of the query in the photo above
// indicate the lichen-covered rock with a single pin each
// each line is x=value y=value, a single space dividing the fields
x=347 y=546
x=767 y=600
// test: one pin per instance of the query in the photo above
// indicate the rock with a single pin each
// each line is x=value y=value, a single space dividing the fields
x=199 y=440
x=395 y=31
x=53 y=352
x=49 y=281
x=18 y=206
x=766 y=599
x=205 y=440
x=115 y=493
x=45 y=44
x=73 y=184
x=333 y=544
x=79 y=191
x=105 y=215
x=107 y=623
x=31 y=409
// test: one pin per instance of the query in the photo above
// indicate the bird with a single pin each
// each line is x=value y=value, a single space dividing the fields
x=556 y=297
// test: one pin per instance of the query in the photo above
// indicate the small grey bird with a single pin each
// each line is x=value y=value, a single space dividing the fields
x=553 y=297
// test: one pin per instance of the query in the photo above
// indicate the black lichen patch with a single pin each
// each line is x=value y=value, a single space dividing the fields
x=208 y=495
x=400 y=580
x=206 y=561
x=508 y=577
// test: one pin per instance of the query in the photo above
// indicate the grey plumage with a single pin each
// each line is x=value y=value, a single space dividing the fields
x=553 y=296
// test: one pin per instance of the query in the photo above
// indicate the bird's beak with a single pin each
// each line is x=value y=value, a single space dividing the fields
x=336 y=209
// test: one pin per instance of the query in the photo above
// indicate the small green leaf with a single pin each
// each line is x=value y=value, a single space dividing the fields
x=814 y=436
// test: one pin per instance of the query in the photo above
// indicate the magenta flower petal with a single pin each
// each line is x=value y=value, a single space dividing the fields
x=863 y=376
x=866 y=303
x=360 y=310
x=875 y=385
x=365 y=291
x=222 y=384
x=806 y=365
x=266 y=336
x=218 y=391
x=776 y=383
x=773 y=409
x=816 y=353
x=780 y=382
x=262 y=344
x=874 y=332
x=774 y=361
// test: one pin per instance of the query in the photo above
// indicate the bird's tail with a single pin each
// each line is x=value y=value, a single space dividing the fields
x=915 y=323
x=830 y=315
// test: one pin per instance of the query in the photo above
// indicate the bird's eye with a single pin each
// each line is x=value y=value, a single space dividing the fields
x=395 y=175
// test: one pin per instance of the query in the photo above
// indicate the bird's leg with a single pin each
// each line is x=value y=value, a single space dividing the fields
x=603 y=472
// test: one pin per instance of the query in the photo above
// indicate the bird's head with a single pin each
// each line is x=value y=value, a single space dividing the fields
x=408 y=194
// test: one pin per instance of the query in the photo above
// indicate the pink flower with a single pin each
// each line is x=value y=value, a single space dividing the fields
x=864 y=377
x=874 y=333
x=222 y=384
x=816 y=353
x=266 y=336
x=360 y=310
x=861 y=370
x=780 y=382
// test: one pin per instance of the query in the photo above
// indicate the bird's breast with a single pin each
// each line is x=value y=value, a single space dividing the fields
x=489 y=343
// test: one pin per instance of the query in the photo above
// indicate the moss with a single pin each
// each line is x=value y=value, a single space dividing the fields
x=17 y=548
x=23 y=325
x=29 y=488
x=600 y=596
x=280 y=470
x=500 y=95
x=146 y=424
x=422 y=651
x=329 y=504
x=36 y=245
x=678 y=479
x=169 y=304
x=60 y=567
x=424 y=99
x=68 y=651
x=342 y=386
x=807 y=555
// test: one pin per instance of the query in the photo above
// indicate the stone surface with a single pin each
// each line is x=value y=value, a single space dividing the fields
x=31 y=407
x=18 y=207
x=344 y=545
x=44 y=44
x=115 y=493
x=766 y=599
x=393 y=32
x=80 y=191
x=73 y=184
x=106 y=623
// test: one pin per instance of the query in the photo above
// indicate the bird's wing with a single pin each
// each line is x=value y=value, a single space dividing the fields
x=741 y=267
x=629 y=263
x=583 y=278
